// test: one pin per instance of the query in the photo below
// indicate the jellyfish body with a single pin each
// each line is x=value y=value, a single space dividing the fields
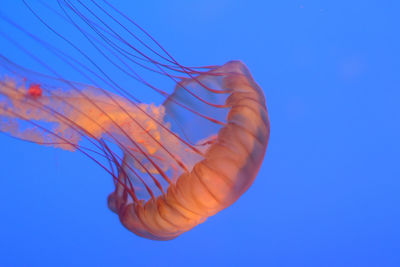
x=176 y=164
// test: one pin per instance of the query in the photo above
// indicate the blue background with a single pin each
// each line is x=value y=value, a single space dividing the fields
x=328 y=190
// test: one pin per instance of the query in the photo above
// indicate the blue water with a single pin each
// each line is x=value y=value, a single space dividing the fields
x=328 y=190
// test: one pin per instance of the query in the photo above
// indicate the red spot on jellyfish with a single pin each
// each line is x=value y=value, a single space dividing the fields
x=35 y=91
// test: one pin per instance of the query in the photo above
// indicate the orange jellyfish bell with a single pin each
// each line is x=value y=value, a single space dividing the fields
x=174 y=164
x=228 y=165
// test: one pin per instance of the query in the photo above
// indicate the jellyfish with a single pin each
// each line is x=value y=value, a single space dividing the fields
x=173 y=164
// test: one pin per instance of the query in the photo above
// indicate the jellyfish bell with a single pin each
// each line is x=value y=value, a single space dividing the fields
x=176 y=164
x=226 y=169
